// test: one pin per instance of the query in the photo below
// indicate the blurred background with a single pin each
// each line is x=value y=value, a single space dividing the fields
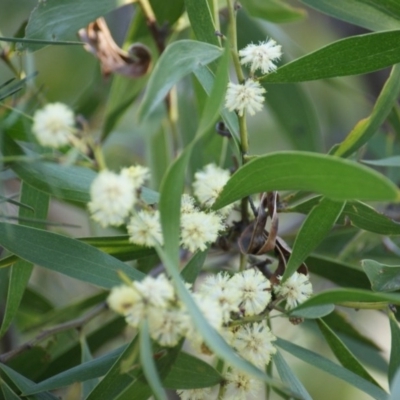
x=312 y=116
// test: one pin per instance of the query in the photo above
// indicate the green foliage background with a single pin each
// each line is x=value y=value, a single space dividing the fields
x=328 y=115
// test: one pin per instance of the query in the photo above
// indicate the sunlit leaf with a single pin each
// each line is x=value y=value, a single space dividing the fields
x=334 y=177
x=351 y=56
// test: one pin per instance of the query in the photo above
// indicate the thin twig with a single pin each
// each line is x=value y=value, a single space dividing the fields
x=74 y=324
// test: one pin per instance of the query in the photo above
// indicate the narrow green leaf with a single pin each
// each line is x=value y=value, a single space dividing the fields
x=360 y=215
x=39 y=42
x=343 y=354
x=351 y=56
x=119 y=376
x=7 y=392
x=394 y=361
x=64 y=182
x=61 y=19
x=201 y=21
x=288 y=376
x=313 y=230
x=384 y=162
x=333 y=177
x=21 y=270
x=375 y=15
x=337 y=271
x=366 y=128
x=167 y=15
x=178 y=60
x=189 y=372
x=383 y=278
x=85 y=371
x=331 y=368
x=217 y=95
x=89 y=384
x=395 y=387
x=193 y=267
x=23 y=383
x=314 y=312
x=273 y=10
x=207 y=80
x=147 y=363
x=349 y=297
x=8 y=90
x=119 y=247
x=65 y=255
x=339 y=322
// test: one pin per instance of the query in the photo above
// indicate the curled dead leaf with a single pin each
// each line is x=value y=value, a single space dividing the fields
x=133 y=63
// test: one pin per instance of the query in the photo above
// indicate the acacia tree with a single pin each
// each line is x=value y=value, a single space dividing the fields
x=197 y=263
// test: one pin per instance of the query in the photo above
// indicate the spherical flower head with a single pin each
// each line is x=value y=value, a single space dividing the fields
x=187 y=204
x=261 y=56
x=122 y=298
x=240 y=386
x=167 y=326
x=155 y=292
x=296 y=290
x=219 y=288
x=254 y=290
x=248 y=96
x=144 y=229
x=198 y=229
x=254 y=343
x=112 y=198
x=53 y=125
x=138 y=174
x=208 y=183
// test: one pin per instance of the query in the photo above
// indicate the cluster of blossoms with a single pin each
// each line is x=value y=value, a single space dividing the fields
x=114 y=197
x=224 y=301
x=249 y=96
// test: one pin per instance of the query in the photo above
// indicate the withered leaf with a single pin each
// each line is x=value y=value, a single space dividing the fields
x=133 y=63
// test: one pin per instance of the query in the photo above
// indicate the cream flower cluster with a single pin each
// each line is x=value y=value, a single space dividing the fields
x=53 y=125
x=208 y=184
x=295 y=290
x=261 y=56
x=114 y=195
x=224 y=300
x=249 y=96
